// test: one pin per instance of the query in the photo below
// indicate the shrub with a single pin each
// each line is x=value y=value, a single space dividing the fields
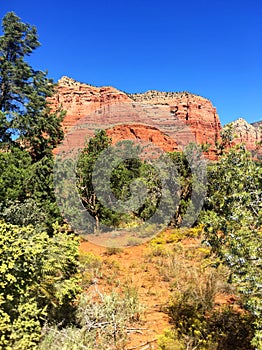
x=102 y=323
x=38 y=281
x=169 y=341
x=113 y=250
x=90 y=268
x=198 y=325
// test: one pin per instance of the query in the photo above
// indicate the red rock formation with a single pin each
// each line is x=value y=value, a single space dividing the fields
x=169 y=120
x=246 y=133
x=195 y=112
x=145 y=133
x=80 y=99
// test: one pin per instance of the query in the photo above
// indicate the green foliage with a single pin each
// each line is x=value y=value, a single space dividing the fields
x=40 y=187
x=191 y=178
x=29 y=130
x=152 y=182
x=197 y=324
x=169 y=341
x=25 y=213
x=24 y=110
x=122 y=178
x=86 y=163
x=138 y=188
x=226 y=138
x=231 y=329
x=38 y=281
x=14 y=169
x=26 y=190
x=90 y=268
x=233 y=224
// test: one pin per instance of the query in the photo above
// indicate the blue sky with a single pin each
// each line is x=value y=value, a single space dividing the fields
x=211 y=48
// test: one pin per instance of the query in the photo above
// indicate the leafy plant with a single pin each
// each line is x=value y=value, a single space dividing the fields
x=169 y=341
x=27 y=190
x=233 y=225
x=38 y=281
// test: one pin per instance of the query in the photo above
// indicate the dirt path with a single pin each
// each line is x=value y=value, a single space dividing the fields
x=135 y=269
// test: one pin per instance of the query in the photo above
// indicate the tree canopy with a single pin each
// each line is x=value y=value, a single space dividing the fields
x=25 y=114
x=233 y=220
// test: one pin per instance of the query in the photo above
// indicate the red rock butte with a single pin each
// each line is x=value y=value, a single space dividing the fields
x=170 y=120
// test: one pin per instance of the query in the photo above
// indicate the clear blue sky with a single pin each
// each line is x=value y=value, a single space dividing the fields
x=211 y=48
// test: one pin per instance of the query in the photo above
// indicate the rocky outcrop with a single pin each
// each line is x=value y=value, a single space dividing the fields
x=170 y=120
x=197 y=114
x=248 y=134
x=257 y=124
x=136 y=132
x=79 y=99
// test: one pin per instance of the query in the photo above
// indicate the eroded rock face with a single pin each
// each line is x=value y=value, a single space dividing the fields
x=138 y=132
x=169 y=119
x=196 y=113
x=257 y=124
x=249 y=134
x=80 y=99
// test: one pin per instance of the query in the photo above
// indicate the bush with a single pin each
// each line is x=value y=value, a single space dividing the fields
x=102 y=323
x=169 y=341
x=198 y=325
x=90 y=268
x=38 y=281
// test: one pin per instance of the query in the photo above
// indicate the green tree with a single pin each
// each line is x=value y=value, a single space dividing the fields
x=24 y=110
x=29 y=130
x=184 y=178
x=14 y=171
x=190 y=176
x=26 y=190
x=40 y=188
x=86 y=164
x=233 y=225
x=124 y=186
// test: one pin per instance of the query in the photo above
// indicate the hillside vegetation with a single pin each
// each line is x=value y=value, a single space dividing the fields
x=187 y=288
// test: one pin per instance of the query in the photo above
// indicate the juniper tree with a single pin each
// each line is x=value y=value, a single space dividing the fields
x=233 y=225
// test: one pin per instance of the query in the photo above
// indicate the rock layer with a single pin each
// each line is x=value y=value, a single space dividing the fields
x=169 y=119
x=137 y=132
x=197 y=114
x=248 y=134
x=79 y=99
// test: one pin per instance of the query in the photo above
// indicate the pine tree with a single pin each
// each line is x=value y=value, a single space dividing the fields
x=25 y=114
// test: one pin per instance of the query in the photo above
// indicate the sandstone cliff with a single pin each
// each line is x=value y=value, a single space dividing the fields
x=80 y=99
x=249 y=134
x=168 y=119
x=196 y=112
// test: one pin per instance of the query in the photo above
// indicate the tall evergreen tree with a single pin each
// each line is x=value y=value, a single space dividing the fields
x=24 y=110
